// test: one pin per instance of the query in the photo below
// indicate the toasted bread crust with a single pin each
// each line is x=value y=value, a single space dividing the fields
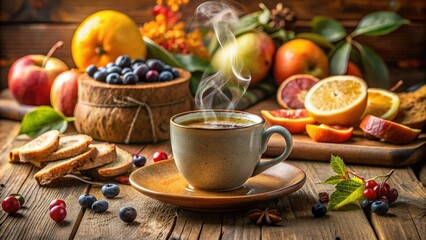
x=69 y=146
x=121 y=165
x=412 y=110
x=14 y=155
x=60 y=168
x=106 y=154
x=41 y=146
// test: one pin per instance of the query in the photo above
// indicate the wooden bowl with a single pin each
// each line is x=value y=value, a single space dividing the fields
x=130 y=113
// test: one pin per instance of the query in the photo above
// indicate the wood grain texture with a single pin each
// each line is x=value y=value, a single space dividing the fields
x=141 y=11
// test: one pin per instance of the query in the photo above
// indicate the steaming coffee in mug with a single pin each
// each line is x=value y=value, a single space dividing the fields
x=221 y=149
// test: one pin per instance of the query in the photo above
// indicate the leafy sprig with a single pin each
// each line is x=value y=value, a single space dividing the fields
x=349 y=185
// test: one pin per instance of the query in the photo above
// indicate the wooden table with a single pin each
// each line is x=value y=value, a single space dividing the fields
x=405 y=219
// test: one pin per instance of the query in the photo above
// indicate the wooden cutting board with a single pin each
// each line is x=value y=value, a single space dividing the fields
x=10 y=108
x=357 y=150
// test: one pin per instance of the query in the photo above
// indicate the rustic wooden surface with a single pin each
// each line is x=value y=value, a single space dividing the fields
x=156 y=220
x=27 y=25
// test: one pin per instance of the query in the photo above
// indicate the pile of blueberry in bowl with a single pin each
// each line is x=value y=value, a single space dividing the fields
x=127 y=71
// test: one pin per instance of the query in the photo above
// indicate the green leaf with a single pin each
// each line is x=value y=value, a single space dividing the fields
x=317 y=39
x=283 y=35
x=193 y=63
x=346 y=192
x=339 y=60
x=158 y=52
x=338 y=166
x=379 y=23
x=329 y=28
x=375 y=71
x=333 y=180
x=264 y=16
x=43 y=119
x=247 y=23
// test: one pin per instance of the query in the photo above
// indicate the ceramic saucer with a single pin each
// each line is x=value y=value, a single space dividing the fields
x=163 y=182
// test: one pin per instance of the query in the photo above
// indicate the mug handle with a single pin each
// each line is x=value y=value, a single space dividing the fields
x=262 y=166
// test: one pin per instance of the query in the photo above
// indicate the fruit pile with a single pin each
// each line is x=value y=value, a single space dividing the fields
x=128 y=71
x=378 y=196
x=337 y=104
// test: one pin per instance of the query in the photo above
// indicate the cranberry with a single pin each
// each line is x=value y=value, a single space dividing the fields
x=159 y=155
x=57 y=202
x=58 y=213
x=392 y=195
x=369 y=194
x=370 y=184
x=20 y=198
x=10 y=204
x=380 y=190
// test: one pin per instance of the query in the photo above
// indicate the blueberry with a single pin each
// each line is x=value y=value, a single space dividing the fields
x=90 y=70
x=155 y=64
x=140 y=71
x=380 y=207
x=319 y=210
x=109 y=65
x=366 y=204
x=126 y=70
x=175 y=72
x=123 y=61
x=138 y=60
x=167 y=68
x=136 y=65
x=100 y=75
x=130 y=78
x=127 y=214
x=110 y=190
x=165 y=76
x=114 y=69
x=151 y=76
x=100 y=206
x=113 y=78
x=86 y=200
x=139 y=160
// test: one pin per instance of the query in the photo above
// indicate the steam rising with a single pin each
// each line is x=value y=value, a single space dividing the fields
x=223 y=89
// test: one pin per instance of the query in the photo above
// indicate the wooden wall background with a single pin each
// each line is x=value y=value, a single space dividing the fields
x=33 y=26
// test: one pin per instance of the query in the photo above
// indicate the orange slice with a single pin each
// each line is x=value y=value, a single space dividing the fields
x=294 y=120
x=382 y=103
x=330 y=134
x=337 y=100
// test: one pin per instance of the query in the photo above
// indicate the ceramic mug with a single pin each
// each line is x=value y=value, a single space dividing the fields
x=221 y=149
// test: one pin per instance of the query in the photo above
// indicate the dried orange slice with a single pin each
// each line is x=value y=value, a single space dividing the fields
x=337 y=100
x=330 y=134
x=292 y=92
x=294 y=120
x=382 y=103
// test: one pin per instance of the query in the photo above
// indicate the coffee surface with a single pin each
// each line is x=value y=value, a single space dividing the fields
x=218 y=123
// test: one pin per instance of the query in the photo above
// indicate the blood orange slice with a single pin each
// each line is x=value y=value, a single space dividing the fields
x=294 y=120
x=292 y=92
x=330 y=134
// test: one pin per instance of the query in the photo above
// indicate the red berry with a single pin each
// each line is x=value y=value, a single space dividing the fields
x=58 y=213
x=159 y=155
x=392 y=195
x=380 y=190
x=57 y=202
x=159 y=9
x=370 y=184
x=369 y=194
x=10 y=204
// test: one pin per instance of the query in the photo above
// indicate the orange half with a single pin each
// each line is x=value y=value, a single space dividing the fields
x=330 y=134
x=294 y=120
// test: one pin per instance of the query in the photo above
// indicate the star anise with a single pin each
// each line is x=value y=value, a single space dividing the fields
x=268 y=216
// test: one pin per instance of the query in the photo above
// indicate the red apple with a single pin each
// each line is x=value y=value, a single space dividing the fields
x=299 y=56
x=31 y=77
x=375 y=127
x=63 y=94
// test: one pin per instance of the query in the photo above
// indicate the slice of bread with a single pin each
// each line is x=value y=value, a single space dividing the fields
x=40 y=147
x=69 y=146
x=14 y=155
x=121 y=165
x=57 y=169
x=412 y=110
x=106 y=154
